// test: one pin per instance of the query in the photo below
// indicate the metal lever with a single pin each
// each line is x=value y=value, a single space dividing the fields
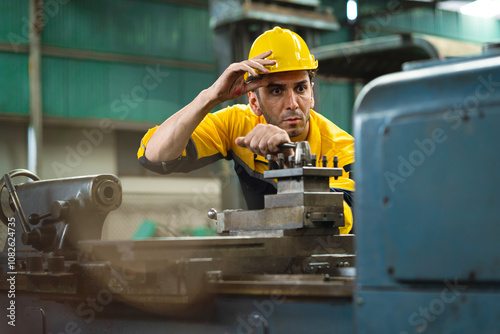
x=288 y=145
x=17 y=204
x=10 y=175
x=35 y=218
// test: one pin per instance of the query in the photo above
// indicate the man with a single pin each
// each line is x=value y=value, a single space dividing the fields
x=278 y=80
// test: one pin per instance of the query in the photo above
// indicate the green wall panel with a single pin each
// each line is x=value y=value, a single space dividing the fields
x=83 y=88
x=92 y=89
x=197 y=39
x=14 y=89
x=193 y=82
x=73 y=88
x=335 y=101
x=144 y=28
x=14 y=21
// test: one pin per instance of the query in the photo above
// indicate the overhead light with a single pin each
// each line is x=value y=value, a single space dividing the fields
x=453 y=6
x=482 y=8
x=352 y=10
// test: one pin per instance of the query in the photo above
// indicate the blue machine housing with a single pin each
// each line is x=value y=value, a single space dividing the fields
x=427 y=219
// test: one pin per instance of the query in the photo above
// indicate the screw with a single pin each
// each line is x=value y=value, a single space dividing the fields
x=281 y=160
x=212 y=214
x=303 y=161
x=269 y=158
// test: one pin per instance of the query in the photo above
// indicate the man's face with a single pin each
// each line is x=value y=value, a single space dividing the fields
x=286 y=101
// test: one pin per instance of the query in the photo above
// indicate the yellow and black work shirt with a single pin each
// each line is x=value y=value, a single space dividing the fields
x=214 y=138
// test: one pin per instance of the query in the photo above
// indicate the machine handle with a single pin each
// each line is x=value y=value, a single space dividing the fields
x=6 y=182
x=288 y=145
x=17 y=204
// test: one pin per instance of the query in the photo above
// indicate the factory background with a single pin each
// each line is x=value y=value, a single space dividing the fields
x=111 y=69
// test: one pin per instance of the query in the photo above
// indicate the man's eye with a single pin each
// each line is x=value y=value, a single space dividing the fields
x=301 y=89
x=276 y=91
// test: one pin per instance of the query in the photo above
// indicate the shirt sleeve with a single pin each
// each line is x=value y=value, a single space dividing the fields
x=209 y=142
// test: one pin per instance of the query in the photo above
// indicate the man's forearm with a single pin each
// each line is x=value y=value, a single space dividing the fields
x=170 y=139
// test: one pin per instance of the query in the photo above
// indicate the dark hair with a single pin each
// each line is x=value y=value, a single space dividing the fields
x=312 y=74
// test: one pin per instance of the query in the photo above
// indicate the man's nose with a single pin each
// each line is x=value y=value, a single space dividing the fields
x=292 y=100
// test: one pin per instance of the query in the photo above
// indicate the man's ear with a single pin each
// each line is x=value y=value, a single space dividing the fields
x=254 y=103
x=312 y=95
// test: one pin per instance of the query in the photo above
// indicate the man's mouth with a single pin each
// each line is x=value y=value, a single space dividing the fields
x=292 y=120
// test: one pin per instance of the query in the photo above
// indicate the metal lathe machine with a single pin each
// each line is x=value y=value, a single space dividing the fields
x=426 y=257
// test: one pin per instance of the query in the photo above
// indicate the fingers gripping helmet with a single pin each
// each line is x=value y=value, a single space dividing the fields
x=289 y=50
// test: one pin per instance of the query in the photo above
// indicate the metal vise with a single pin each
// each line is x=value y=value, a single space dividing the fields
x=56 y=214
x=303 y=201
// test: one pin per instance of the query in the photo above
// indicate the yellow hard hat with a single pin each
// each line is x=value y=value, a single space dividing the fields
x=289 y=50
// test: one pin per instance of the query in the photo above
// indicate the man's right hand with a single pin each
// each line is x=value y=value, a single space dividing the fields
x=266 y=139
x=231 y=84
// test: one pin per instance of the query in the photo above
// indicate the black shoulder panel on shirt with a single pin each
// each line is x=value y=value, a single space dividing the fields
x=349 y=168
x=183 y=164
